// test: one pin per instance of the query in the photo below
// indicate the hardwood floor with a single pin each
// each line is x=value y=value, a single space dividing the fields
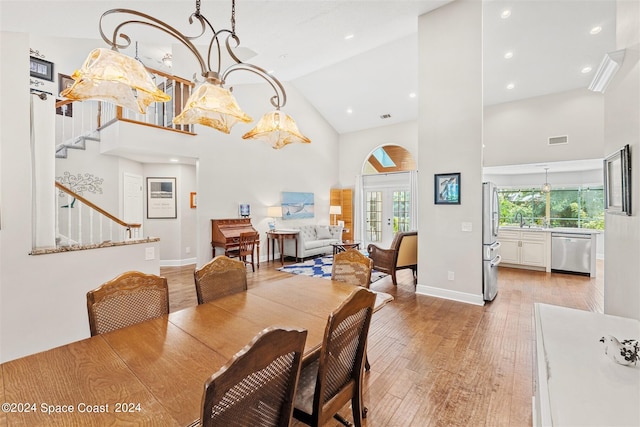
x=436 y=362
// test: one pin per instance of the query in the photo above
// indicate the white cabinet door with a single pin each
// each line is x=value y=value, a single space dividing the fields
x=532 y=253
x=509 y=251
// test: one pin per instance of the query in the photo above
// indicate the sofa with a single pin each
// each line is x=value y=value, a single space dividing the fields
x=313 y=240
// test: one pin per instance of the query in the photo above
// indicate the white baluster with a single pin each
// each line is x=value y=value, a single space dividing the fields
x=80 y=242
x=101 y=239
x=91 y=241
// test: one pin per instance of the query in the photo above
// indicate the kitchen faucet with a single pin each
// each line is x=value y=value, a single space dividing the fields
x=521 y=219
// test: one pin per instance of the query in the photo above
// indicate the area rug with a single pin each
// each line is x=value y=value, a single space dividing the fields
x=321 y=267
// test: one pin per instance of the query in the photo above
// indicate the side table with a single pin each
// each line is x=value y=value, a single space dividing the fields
x=346 y=244
x=280 y=236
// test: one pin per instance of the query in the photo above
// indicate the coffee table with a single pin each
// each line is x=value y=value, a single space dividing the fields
x=346 y=244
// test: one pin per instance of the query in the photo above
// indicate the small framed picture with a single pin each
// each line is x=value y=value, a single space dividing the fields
x=161 y=198
x=41 y=69
x=193 y=200
x=447 y=189
x=64 y=82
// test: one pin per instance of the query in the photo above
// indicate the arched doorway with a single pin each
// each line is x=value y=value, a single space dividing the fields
x=389 y=194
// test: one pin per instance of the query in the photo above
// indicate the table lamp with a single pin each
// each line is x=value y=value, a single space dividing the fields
x=335 y=210
x=274 y=212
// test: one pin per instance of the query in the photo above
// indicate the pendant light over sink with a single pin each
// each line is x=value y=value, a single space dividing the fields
x=546 y=187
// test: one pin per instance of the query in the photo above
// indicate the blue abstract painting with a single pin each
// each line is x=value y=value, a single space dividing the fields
x=297 y=205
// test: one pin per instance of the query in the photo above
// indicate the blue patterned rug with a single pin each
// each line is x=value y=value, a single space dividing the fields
x=321 y=267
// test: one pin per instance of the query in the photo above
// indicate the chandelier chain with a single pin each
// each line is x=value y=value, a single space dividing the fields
x=197 y=7
x=233 y=16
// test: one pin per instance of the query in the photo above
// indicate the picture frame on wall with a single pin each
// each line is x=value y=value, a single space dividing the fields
x=193 y=200
x=447 y=189
x=64 y=82
x=40 y=69
x=617 y=182
x=161 y=198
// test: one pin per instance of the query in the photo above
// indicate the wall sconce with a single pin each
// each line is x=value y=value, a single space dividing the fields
x=274 y=212
x=335 y=210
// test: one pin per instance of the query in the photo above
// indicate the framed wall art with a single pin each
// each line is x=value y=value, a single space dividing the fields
x=193 y=200
x=617 y=182
x=297 y=205
x=41 y=69
x=161 y=198
x=447 y=189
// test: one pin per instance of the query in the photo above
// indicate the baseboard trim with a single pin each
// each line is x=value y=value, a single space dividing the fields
x=450 y=295
x=177 y=262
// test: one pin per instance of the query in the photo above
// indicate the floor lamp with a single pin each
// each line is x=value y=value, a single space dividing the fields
x=335 y=210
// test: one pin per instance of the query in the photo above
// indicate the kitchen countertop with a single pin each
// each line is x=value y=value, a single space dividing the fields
x=552 y=230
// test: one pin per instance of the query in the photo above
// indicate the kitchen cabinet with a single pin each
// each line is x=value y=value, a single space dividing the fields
x=525 y=249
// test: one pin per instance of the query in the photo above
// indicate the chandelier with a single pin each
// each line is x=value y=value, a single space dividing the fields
x=109 y=75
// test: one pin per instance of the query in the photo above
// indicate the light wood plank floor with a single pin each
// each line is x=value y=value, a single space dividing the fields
x=436 y=362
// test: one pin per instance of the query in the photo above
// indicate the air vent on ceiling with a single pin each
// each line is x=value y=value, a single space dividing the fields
x=385 y=116
x=555 y=140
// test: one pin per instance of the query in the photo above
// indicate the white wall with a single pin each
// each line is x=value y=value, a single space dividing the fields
x=450 y=140
x=42 y=298
x=517 y=132
x=622 y=126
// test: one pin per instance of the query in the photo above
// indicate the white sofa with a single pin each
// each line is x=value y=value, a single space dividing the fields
x=313 y=240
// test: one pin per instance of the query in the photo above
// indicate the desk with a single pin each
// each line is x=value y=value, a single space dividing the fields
x=152 y=363
x=280 y=236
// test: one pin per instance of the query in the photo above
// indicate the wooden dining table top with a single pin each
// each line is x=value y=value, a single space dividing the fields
x=153 y=373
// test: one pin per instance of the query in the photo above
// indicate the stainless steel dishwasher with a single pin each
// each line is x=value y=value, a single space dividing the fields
x=571 y=253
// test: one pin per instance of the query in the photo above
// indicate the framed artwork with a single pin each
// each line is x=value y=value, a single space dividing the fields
x=41 y=69
x=297 y=205
x=617 y=182
x=244 y=209
x=64 y=82
x=193 y=200
x=161 y=198
x=447 y=189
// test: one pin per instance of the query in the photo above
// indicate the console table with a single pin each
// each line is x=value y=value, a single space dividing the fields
x=280 y=236
x=576 y=383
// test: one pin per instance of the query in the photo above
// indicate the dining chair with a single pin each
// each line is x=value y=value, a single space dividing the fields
x=246 y=247
x=219 y=277
x=130 y=298
x=335 y=377
x=257 y=386
x=353 y=267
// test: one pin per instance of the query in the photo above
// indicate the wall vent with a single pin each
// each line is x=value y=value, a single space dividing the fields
x=555 y=140
x=385 y=116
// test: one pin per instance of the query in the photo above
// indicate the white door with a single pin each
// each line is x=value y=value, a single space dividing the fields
x=386 y=212
x=132 y=206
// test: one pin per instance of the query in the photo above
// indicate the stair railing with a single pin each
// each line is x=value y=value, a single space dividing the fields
x=95 y=226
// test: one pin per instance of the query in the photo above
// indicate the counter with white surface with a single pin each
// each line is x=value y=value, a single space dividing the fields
x=576 y=383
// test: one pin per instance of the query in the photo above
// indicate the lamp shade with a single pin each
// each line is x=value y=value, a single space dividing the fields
x=274 y=211
x=335 y=210
x=278 y=129
x=110 y=76
x=212 y=106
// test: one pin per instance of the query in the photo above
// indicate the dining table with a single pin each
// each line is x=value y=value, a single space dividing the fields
x=153 y=373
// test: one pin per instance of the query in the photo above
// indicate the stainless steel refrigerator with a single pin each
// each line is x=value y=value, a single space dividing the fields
x=490 y=245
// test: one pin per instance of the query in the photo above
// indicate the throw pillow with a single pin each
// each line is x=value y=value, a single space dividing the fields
x=323 y=232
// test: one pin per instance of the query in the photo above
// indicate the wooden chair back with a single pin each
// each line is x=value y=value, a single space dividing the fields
x=353 y=267
x=329 y=383
x=219 y=277
x=130 y=298
x=246 y=247
x=257 y=386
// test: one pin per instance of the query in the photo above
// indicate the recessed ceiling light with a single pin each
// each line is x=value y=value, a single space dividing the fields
x=412 y=95
x=349 y=111
x=174 y=160
x=505 y=14
x=349 y=36
x=511 y=86
x=595 y=30
x=586 y=69
x=508 y=55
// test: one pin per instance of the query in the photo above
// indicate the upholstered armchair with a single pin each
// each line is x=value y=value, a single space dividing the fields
x=403 y=253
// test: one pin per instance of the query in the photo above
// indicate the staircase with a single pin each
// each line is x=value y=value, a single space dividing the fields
x=76 y=143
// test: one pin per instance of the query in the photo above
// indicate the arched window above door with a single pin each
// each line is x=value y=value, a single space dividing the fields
x=389 y=158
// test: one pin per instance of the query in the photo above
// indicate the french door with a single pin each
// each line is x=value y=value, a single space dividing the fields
x=386 y=212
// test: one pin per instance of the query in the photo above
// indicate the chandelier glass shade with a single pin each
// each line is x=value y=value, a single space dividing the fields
x=278 y=129
x=111 y=76
x=212 y=106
